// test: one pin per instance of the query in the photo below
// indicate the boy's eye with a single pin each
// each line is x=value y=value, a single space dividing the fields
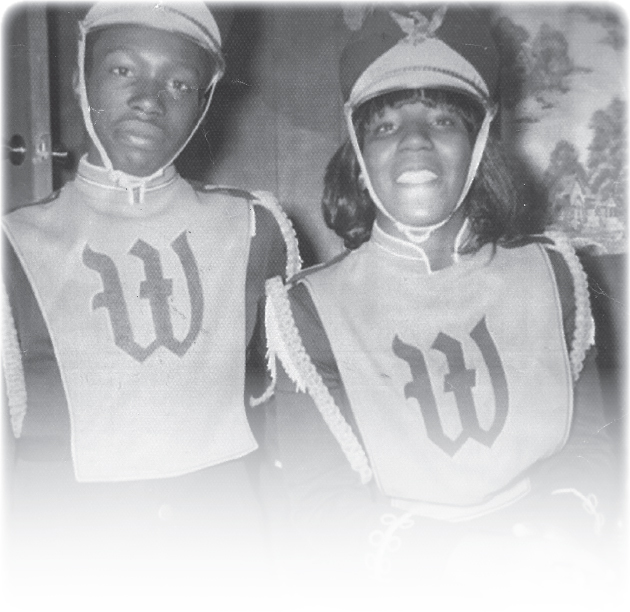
x=181 y=87
x=122 y=71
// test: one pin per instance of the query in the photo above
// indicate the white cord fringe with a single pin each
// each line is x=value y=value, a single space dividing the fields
x=386 y=542
x=13 y=367
x=294 y=260
x=589 y=503
x=293 y=266
x=284 y=342
x=584 y=334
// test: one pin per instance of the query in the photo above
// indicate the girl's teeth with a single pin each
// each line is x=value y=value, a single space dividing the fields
x=416 y=177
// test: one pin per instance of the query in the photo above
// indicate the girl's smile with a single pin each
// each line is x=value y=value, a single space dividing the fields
x=416 y=177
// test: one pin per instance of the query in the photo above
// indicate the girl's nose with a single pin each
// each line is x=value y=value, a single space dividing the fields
x=417 y=134
x=148 y=97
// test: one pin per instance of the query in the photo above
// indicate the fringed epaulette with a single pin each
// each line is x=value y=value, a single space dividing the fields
x=284 y=342
x=294 y=260
x=13 y=367
x=584 y=334
x=234 y=192
x=268 y=201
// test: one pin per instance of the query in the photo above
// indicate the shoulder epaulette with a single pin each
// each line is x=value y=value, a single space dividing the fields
x=285 y=343
x=317 y=267
x=12 y=366
x=234 y=192
x=268 y=201
x=584 y=334
x=294 y=260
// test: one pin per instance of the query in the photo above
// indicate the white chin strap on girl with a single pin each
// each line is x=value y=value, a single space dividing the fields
x=119 y=177
x=414 y=233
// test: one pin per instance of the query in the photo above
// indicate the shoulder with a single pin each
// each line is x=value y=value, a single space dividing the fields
x=562 y=257
x=229 y=199
x=261 y=203
x=44 y=201
x=300 y=300
x=572 y=284
x=317 y=270
x=39 y=222
x=33 y=208
x=264 y=203
x=294 y=311
x=262 y=218
x=270 y=226
x=221 y=190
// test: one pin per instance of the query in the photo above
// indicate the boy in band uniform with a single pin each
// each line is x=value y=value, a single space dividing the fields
x=126 y=385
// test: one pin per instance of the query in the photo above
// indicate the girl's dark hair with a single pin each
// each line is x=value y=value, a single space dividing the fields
x=495 y=208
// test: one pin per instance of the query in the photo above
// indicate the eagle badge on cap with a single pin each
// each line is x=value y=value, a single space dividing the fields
x=417 y=26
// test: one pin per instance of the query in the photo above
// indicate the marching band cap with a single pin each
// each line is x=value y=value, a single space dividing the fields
x=191 y=19
x=416 y=46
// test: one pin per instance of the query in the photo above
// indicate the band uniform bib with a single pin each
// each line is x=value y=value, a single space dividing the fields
x=146 y=311
x=458 y=380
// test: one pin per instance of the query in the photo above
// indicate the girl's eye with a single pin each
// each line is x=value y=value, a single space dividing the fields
x=448 y=120
x=383 y=128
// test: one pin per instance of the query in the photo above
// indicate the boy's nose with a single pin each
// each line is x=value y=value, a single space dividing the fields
x=148 y=98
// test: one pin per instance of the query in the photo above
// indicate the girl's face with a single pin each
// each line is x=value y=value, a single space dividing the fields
x=417 y=156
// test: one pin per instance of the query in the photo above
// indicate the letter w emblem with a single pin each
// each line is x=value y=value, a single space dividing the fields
x=459 y=381
x=156 y=289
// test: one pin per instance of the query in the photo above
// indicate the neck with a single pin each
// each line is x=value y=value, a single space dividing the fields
x=439 y=249
x=95 y=159
x=133 y=188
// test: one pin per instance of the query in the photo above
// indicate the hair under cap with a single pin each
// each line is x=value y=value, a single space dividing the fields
x=191 y=19
x=417 y=46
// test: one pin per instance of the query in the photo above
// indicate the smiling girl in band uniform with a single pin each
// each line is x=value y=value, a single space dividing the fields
x=433 y=373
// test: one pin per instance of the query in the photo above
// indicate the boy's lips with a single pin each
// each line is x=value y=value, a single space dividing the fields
x=141 y=133
x=416 y=177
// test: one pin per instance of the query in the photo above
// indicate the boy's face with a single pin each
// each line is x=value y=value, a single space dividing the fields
x=145 y=90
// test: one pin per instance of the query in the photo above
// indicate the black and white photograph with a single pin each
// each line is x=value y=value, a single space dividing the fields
x=314 y=306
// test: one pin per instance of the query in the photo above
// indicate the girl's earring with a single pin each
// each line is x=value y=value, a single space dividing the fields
x=362 y=184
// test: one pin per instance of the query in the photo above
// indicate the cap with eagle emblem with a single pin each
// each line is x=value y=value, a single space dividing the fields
x=418 y=47
x=422 y=46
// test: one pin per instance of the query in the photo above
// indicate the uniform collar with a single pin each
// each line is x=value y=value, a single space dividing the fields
x=106 y=188
x=412 y=252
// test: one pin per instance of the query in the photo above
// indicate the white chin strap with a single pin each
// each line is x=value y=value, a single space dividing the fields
x=418 y=234
x=119 y=177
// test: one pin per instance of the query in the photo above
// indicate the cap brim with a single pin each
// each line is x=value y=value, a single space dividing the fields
x=414 y=80
x=429 y=64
